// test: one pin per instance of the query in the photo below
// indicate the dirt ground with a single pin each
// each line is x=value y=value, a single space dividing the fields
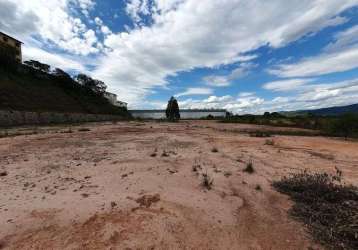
x=133 y=185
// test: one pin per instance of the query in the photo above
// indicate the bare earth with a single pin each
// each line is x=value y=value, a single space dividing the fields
x=132 y=186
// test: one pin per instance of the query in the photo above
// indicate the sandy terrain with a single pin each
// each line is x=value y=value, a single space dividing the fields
x=132 y=186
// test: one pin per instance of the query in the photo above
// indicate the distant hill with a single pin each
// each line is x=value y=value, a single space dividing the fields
x=26 y=90
x=332 y=111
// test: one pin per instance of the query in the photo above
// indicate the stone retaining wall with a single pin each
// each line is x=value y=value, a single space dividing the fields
x=19 y=118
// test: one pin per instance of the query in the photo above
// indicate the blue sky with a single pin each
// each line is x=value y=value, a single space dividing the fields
x=243 y=55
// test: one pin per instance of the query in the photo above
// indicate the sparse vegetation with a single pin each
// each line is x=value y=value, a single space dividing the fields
x=84 y=130
x=196 y=167
x=269 y=142
x=325 y=205
x=249 y=168
x=260 y=134
x=68 y=131
x=207 y=181
x=341 y=126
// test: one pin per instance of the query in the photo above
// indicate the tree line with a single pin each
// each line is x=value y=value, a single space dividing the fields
x=97 y=86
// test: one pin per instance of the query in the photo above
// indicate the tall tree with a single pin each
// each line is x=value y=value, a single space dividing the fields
x=172 y=112
x=96 y=86
x=38 y=65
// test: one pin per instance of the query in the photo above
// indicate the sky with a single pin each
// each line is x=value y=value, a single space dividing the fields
x=246 y=56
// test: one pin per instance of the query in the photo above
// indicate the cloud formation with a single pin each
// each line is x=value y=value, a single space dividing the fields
x=195 y=91
x=191 y=34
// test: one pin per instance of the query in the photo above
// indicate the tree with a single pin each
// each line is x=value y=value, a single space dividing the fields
x=38 y=66
x=172 y=111
x=59 y=73
x=96 y=86
x=346 y=126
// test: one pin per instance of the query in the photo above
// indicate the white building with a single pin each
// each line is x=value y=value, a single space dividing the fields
x=184 y=113
x=112 y=98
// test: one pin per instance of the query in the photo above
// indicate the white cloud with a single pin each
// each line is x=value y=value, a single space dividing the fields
x=17 y=21
x=308 y=96
x=98 y=21
x=53 y=21
x=326 y=63
x=223 y=81
x=195 y=91
x=136 y=8
x=190 y=34
x=236 y=105
x=246 y=94
x=52 y=59
x=344 y=39
x=286 y=85
x=338 y=56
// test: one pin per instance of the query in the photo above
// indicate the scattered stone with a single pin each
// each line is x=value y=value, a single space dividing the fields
x=3 y=173
x=84 y=195
x=165 y=154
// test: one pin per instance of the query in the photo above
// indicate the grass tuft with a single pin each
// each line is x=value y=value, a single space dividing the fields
x=249 y=168
x=269 y=142
x=207 y=181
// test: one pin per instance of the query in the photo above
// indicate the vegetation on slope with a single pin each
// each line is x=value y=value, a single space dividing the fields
x=33 y=87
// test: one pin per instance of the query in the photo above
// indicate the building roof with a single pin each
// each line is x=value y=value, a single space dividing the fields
x=10 y=37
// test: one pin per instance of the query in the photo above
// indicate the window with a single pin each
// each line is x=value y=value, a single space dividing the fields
x=5 y=39
x=18 y=45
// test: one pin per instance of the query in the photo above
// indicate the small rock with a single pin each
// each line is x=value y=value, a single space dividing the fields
x=84 y=195
x=3 y=173
x=113 y=204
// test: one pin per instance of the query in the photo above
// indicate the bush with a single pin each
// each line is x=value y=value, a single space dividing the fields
x=328 y=208
x=346 y=126
x=249 y=168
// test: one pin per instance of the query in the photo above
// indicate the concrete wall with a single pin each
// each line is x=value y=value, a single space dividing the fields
x=18 y=118
x=184 y=115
